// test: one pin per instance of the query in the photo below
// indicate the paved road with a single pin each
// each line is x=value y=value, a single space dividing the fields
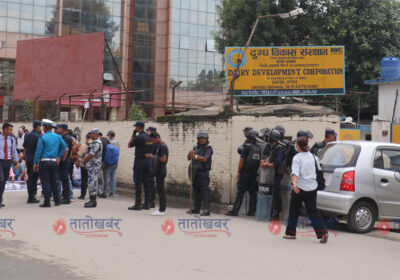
x=145 y=252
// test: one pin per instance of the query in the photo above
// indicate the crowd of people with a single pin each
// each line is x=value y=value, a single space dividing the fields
x=61 y=161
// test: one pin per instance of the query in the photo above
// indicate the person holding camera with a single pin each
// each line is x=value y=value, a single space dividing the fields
x=140 y=140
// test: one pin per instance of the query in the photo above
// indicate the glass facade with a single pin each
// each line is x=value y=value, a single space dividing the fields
x=41 y=18
x=193 y=57
x=37 y=17
x=144 y=38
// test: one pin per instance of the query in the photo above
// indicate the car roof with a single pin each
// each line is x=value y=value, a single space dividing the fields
x=368 y=143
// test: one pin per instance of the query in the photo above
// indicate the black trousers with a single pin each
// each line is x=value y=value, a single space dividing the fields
x=32 y=179
x=247 y=182
x=84 y=181
x=47 y=173
x=142 y=176
x=160 y=186
x=63 y=168
x=276 y=196
x=310 y=200
x=5 y=166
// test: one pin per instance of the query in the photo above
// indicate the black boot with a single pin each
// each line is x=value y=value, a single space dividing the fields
x=197 y=203
x=252 y=205
x=206 y=204
x=236 y=207
x=32 y=199
x=46 y=203
x=92 y=203
x=137 y=206
x=81 y=197
x=65 y=200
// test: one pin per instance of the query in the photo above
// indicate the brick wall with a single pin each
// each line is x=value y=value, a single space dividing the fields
x=225 y=137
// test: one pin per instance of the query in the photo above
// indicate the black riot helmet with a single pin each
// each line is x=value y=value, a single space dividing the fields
x=275 y=135
x=253 y=134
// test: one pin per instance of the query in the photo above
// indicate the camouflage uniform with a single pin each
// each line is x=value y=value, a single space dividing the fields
x=93 y=166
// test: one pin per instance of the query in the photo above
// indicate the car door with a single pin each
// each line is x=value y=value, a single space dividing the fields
x=386 y=180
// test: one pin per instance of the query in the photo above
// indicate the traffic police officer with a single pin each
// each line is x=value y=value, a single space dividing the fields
x=49 y=152
x=201 y=160
x=30 y=145
x=65 y=164
x=141 y=166
x=247 y=174
x=92 y=163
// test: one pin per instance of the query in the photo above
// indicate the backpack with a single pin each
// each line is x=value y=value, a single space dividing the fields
x=74 y=151
x=111 y=155
x=252 y=160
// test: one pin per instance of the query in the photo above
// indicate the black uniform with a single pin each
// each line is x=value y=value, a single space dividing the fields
x=160 y=172
x=142 y=168
x=317 y=147
x=30 y=144
x=251 y=154
x=277 y=156
x=64 y=168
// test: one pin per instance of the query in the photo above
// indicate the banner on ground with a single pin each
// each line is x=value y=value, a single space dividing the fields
x=287 y=71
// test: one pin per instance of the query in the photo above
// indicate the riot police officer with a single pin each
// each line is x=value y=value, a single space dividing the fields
x=247 y=174
x=201 y=160
x=92 y=162
x=276 y=161
x=49 y=152
x=141 y=166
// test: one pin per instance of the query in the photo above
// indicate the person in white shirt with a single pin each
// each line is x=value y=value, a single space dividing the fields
x=76 y=177
x=304 y=189
x=20 y=140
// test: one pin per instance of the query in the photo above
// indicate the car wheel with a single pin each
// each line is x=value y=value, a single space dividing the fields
x=362 y=216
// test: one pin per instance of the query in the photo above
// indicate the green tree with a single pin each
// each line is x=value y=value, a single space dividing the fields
x=367 y=28
x=136 y=113
x=28 y=110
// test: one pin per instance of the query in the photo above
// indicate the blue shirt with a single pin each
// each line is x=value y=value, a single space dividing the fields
x=50 y=145
x=11 y=148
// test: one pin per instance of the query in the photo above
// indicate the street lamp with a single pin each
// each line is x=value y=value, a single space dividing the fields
x=290 y=14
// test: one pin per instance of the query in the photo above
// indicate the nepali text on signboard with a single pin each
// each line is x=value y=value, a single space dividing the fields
x=287 y=71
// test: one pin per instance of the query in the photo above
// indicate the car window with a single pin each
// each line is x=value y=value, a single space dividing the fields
x=339 y=155
x=387 y=159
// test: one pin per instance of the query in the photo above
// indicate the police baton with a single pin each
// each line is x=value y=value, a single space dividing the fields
x=191 y=186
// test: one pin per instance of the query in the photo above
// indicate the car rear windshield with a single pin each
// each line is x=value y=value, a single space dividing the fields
x=339 y=155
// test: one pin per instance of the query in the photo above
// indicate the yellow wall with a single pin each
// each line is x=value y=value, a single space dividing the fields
x=396 y=133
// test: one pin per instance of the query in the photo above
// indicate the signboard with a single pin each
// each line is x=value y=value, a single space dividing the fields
x=349 y=134
x=287 y=71
x=396 y=133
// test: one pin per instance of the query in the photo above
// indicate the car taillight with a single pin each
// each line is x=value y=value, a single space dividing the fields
x=348 y=182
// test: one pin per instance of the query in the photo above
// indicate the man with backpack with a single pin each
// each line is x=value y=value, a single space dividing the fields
x=247 y=174
x=111 y=157
x=104 y=142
